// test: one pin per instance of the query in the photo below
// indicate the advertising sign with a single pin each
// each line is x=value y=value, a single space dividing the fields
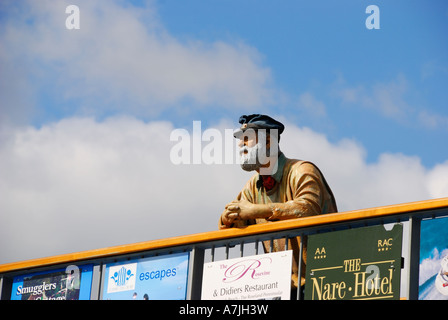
x=259 y=277
x=433 y=271
x=155 y=278
x=71 y=283
x=354 y=264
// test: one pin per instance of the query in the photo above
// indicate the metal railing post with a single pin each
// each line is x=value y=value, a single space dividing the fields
x=414 y=256
x=299 y=281
x=1 y=287
x=195 y=268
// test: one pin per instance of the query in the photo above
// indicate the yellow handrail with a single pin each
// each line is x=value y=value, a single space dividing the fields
x=228 y=234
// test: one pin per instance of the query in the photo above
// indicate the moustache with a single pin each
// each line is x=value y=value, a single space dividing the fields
x=244 y=150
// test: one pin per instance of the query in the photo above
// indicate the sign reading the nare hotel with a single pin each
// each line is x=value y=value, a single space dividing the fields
x=362 y=263
x=265 y=276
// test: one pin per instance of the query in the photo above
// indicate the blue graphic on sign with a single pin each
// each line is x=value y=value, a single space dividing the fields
x=122 y=276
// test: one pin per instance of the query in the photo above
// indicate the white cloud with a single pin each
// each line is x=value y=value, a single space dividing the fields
x=312 y=105
x=393 y=178
x=122 y=58
x=79 y=184
x=432 y=120
x=384 y=98
x=391 y=99
x=438 y=181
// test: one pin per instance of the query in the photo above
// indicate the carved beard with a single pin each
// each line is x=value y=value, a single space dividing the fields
x=249 y=161
x=257 y=156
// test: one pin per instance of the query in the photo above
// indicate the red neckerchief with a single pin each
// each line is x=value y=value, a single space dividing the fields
x=266 y=181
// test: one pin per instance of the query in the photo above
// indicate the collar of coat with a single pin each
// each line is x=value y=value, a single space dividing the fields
x=278 y=175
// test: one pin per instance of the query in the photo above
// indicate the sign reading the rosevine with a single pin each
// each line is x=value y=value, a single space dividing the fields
x=355 y=264
x=265 y=276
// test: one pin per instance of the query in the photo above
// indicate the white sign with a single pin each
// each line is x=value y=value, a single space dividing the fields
x=260 y=277
x=122 y=278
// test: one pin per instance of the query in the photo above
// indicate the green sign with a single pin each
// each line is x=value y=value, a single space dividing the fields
x=355 y=264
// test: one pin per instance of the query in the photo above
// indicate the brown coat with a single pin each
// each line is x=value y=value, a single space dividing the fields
x=300 y=191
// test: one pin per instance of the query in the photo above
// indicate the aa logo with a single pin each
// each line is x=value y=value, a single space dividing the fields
x=320 y=253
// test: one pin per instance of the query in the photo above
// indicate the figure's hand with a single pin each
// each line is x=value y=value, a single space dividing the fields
x=240 y=210
x=230 y=214
x=244 y=210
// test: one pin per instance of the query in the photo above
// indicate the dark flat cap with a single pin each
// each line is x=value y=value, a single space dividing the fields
x=258 y=121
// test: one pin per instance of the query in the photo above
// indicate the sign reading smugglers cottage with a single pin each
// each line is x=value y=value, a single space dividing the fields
x=354 y=264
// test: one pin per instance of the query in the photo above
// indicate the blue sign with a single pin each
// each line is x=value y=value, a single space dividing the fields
x=155 y=278
x=70 y=283
x=433 y=275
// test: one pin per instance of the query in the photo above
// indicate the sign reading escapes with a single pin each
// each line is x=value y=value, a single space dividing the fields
x=355 y=264
x=155 y=278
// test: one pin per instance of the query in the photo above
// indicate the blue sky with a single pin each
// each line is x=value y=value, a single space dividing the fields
x=311 y=46
x=86 y=115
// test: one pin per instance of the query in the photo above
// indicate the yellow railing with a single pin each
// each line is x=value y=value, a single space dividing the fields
x=349 y=216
